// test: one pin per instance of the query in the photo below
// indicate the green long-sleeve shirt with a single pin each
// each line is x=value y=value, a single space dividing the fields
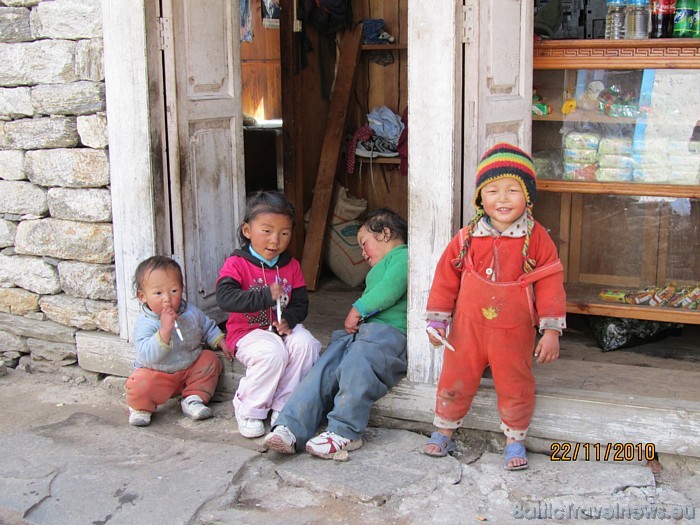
x=386 y=290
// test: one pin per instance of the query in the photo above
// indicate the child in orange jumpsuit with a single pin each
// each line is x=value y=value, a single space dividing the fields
x=498 y=279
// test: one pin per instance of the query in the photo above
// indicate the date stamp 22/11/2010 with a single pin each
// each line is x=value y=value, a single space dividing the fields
x=563 y=451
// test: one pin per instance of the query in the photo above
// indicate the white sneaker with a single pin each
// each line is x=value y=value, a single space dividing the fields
x=273 y=417
x=250 y=428
x=193 y=407
x=280 y=440
x=327 y=443
x=139 y=418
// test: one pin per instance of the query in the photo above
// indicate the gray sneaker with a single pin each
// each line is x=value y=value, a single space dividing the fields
x=193 y=407
x=139 y=418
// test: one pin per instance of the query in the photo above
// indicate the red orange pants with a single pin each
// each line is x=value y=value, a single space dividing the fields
x=147 y=388
x=493 y=325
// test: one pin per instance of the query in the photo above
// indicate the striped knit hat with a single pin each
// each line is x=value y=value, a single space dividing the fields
x=505 y=160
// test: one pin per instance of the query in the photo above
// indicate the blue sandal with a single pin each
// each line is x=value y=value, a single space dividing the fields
x=445 y=444
x=514 y=450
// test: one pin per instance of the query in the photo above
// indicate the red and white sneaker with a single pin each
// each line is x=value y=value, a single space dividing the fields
x=327 y=443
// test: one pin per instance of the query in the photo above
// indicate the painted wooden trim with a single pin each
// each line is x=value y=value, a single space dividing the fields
x=680 y=53
x=620 y=188
x=132 y=153
x=434 y=120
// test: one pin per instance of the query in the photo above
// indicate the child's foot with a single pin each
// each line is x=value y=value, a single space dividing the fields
x=250 y=428
x=139 y=418
x=439 y=445
x=193 y=407
x=514 y=456
x=327 y=443
x=280 y=440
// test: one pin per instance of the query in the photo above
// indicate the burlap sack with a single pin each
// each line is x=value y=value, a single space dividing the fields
x=342 y=253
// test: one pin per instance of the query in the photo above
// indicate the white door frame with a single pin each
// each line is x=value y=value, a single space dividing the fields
x=134 y=120
x=434 y=169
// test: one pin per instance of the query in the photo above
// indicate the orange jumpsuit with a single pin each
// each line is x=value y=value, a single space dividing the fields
x=495 y=308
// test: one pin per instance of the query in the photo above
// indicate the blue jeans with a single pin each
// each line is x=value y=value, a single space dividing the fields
x=353 y=372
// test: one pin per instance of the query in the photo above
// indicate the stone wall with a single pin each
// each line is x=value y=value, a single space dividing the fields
x=56 y=241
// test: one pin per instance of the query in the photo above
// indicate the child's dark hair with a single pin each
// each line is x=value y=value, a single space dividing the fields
x=376 y=220
x=265 y=202
x=157 y=262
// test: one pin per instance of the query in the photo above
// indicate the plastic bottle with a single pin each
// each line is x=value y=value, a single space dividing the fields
x=637 y=19
x=662 y=18
x=682 y=19
x=696 y=20
x=615 y=20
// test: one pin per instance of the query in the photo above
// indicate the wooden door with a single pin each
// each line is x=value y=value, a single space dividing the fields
x=498 y=36
x=205 y=139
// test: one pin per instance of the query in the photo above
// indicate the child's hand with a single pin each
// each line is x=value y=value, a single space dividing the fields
x=352 y=321
x=283 y=327
x=547 y=349
x=223 y=346
x=277 y=291
x=434 y=340
x=167 y=321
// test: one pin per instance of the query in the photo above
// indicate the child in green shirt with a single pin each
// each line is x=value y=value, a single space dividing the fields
x=363 y=361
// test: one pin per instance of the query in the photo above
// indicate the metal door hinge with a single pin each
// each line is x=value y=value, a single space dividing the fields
x=165 y=33
x=468 y=21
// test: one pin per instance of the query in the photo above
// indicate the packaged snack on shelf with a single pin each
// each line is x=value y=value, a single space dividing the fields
x=647 y=160
x=613 y=174
x=650 y=175
x=580 y=155
x=576 y=171
x=541 y=108
x=581 y=140
x=615 y=102
x=668 y=296
x=663 y=295
x=676 y=176
x=613 y=296
x=643 y=296
x=548 y=164
x=615 y=146
x=610 y=160
x=687 y=162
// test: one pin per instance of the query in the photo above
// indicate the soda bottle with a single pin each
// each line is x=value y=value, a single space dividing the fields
x=683 y=18
x=695 y=24
x=662 y=18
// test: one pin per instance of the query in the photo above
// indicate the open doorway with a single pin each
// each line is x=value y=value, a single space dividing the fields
x=261 y=76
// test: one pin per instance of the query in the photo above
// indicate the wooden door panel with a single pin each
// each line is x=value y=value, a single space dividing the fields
x=497 y=81
x=207 y=151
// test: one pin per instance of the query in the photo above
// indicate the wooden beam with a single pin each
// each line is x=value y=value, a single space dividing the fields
x=330 y=151
x=570 y=415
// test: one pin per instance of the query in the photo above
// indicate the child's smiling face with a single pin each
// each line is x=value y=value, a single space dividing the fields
x=269 y=234
x=503 y=201
x=161 y=287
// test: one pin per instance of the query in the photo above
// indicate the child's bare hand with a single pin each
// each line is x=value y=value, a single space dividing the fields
x=547 y=349
x=283 y=327
x=167 y=321
x=223 y=346
x=352 y=321
x=434 y=340
x=276 y=290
